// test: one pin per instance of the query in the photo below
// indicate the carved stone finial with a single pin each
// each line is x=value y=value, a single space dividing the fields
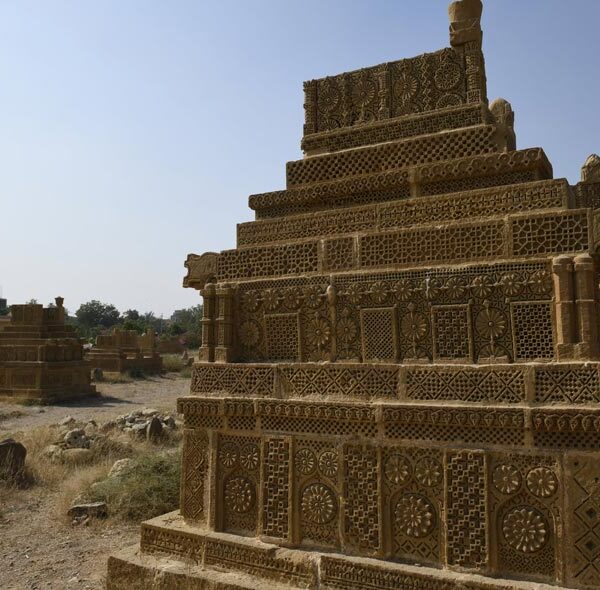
x=504 y=116
x=590 y=172
x=59 y=301
x=465 y=21
x=465 y=11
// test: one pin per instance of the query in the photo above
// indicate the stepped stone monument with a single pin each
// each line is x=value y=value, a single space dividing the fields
x=126 y=350
x=398 y=385
x=41 y=358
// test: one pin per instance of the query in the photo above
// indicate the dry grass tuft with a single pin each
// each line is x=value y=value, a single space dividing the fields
x=148 y=489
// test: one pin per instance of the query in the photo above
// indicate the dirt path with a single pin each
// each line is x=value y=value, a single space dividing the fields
x=115 y=399
x=39 y=550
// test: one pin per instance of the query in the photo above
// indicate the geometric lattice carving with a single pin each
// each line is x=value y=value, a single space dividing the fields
x=282 y=336
x=276 y=488
x=467 y=385
x=195 y=462
x=533 y=331
x=379 y=334
x=234 y=380
x=339 y=254
x=550 y=234
x=331 y=380
x=575 y=385
x=583 y=525
x=389 y=156
x=361 y=517
x=548 y=194
x=452 y=333
x=422 y=244
x=466 y=510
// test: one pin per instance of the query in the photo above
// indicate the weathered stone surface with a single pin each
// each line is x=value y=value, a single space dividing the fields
x=154 y=429
x=125 y=351
x=12 y=458
x=400 y=361
x=120 y=468
x=41 y=358
x=92 y=510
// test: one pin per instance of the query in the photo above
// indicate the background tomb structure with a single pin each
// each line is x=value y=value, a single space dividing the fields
x=122 y=351
x=399 y=378
x=41 y=357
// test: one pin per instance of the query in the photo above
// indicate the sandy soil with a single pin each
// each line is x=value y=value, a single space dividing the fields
x=38 y=548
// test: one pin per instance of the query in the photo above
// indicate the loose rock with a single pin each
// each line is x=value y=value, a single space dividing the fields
x=12 y=458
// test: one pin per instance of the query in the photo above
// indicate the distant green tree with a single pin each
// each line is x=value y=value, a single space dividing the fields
x=96 y=314
x=132 y=314
x=188 y=319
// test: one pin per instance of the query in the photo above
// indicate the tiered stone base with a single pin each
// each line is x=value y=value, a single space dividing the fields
x=176 y=556
x=45 y=382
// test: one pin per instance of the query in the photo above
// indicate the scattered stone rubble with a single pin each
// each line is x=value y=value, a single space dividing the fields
x=75 y=443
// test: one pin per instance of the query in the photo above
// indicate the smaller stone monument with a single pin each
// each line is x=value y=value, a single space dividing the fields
x=125 y=350
x=41 y=357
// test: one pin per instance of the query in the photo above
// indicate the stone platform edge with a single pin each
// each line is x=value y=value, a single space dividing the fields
x=175 y=555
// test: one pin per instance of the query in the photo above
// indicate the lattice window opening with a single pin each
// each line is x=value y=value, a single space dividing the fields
x=533 y=331
x=276 y=488
x=361 y=520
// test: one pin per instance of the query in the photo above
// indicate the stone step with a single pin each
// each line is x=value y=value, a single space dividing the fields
x=131 y=570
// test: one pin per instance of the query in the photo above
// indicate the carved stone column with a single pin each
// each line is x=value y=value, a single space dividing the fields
x=587 y=319
x=564 y=303
x=207 y=350
x=224 y=325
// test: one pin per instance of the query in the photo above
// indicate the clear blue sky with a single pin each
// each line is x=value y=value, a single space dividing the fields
x=133 y=131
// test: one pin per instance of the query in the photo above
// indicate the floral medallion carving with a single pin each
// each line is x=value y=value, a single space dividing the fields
x=512 y=284
x=249 y=334
x=414 y=515
x=306 y=462
x=404 y=289
x=525 y=529
x=542 y=482
x=318 y=332
x=329 y=96
x=240 y=495
x=318 y=504
x=506 y=479
x=540 y=282
x=379 y=292
x=397 y=469
x=249 y=457
x=429 y=472
x=228 y=455
x=456 y=288
x=482 y=286
x=328 y=463
x=313 y=297
x=271 y=299
x=491 y=323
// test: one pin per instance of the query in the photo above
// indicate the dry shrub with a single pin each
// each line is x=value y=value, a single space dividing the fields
x=173 y=363
x=148 y=489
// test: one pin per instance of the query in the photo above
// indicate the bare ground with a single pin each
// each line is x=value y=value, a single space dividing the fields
x=39 y=549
